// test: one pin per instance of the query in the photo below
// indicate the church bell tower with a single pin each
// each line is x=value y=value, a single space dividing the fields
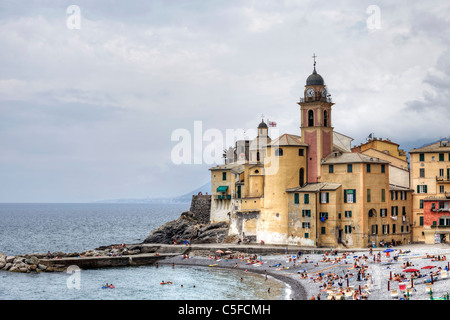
x=316 y=129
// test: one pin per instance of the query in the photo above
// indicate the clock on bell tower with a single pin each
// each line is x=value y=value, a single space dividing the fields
x=316 y=129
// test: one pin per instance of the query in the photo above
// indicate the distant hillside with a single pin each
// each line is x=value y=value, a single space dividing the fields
x=185 y=198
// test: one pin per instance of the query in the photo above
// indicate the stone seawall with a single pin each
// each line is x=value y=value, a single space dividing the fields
x=201 y=208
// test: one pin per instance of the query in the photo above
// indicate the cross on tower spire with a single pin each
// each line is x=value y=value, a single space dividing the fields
x=314 y=57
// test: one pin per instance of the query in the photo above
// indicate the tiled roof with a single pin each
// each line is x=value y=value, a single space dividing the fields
x=351 y=157
x=315 y=187
x=288 y=140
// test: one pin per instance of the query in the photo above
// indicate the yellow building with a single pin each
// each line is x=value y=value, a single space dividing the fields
x=430 y=178
x=312 y=189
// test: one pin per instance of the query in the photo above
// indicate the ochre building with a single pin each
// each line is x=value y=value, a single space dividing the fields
x=310 y=188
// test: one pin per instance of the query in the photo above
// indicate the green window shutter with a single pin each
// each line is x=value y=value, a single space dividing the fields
x=323 y=231
x=383 y=195
x=224 y=176
x=330 y=168
x=441 y=157
x=421 y=204
x=345 y=196
x=328 y=197
x=306 y=198
x=421 y=221
x=425 y=188
x=349 y=168
x=418 y=189
x=368 y=195
x=422 y=157
x=296 y=198
x=303 y=213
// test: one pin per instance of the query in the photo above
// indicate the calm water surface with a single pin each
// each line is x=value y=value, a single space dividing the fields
x=28 y=228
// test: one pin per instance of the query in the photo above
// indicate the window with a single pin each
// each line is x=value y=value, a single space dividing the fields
x=422 y=173
x=258 y=157
x=224 y=176
x=306 y=225
x=393 y=195
x=404 y=210
x=422 y=188
x=310 y=118
x=306 y=198
x=300 y=152
x=383 y=168
x=349 y=168
x=331 y=168
x=348 y=214
x=368 y=195
x=296 y=198
x=394 y=211
x=441 y=189
x=393 y=228
x=421 y=204
x=372 y=213
x=441 y=173
x=348 y=229
x=323 y=230
x=324 y=197
x=441 y=157
x=349 y=196
x=444 y=221
x=421 y=157
x=279 y=152
x=421 y=221
x=368 y=167
x=385 y=229
x=301 y=177
x=383 y=195
x=306 y=235
x=325 y=118
x=375 y=229
x=306 y=213
x=323 y=216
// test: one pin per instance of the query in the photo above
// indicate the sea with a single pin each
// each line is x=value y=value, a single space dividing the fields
x=41 y=227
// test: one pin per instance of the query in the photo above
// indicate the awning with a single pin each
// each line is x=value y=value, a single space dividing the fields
x=222 y=188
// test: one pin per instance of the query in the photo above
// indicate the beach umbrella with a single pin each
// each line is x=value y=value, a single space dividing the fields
x=410 y=270
x=228 y=251
x=428 y=267
x=219 y=251
x=388 y=250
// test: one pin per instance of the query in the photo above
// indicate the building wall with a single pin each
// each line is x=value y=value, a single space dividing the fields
x=273 y=225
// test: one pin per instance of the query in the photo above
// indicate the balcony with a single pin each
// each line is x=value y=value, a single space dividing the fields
x=443 y=179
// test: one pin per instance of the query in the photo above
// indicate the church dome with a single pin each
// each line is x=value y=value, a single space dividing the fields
x=315 y=79
x=262 y=125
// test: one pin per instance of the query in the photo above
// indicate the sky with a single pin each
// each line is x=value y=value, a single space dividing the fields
x=92 y=98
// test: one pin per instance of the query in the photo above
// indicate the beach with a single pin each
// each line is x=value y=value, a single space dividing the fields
x=332 y=274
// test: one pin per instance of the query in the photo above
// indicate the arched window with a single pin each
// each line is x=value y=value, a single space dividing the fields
x=310 y=118
x=279 y=152
x=301 y=177
x=325 y=118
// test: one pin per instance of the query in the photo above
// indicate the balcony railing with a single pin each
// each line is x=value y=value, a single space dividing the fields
x=443 y=179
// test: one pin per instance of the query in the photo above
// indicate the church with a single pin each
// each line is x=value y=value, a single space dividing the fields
x=313 y=188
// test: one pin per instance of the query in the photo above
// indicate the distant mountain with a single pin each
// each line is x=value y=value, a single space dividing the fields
x=185 y=198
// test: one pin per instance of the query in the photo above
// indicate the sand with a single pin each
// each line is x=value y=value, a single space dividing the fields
x=374 y=288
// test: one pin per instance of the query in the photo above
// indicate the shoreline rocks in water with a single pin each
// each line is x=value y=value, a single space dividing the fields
x=188 y=227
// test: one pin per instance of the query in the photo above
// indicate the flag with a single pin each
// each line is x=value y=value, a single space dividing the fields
x=272 y=123
x=370 y=136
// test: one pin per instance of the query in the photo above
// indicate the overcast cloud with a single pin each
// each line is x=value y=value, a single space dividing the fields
x=87 y=114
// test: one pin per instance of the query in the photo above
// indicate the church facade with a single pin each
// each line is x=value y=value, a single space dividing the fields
x=313 y=189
